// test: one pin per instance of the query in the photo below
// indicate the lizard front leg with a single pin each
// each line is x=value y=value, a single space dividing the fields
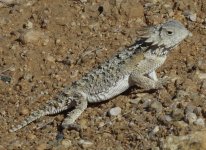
x=145 y=82
x=144 y=74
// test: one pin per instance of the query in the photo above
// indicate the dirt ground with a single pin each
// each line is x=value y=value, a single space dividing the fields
x=45 y=45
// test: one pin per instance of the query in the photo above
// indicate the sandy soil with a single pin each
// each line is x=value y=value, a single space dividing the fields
x=45 y=45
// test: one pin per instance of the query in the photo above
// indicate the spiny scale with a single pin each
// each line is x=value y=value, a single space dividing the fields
x=134 y=65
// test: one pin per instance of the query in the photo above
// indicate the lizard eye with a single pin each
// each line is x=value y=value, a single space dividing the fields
x=169 y=32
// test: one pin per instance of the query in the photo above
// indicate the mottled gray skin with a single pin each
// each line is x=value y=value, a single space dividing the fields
x=134 y=65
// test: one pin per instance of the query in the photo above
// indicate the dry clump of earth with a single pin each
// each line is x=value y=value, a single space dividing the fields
x=45 y=45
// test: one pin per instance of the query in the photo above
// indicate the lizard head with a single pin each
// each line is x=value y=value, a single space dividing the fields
x=163 y=37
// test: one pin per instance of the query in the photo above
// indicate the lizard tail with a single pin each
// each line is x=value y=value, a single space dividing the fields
x=52 y=107
x=34 y=116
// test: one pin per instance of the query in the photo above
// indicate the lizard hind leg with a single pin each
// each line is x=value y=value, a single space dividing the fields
x=81 y=105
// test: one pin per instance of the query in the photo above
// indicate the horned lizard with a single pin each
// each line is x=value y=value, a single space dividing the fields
x=134 y=65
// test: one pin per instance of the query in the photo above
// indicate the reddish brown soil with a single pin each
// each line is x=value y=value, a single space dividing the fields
x=71 y=37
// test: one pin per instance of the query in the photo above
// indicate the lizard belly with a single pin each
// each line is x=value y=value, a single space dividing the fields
x=112 y=91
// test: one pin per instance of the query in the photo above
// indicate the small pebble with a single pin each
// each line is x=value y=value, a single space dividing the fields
x=29 y=25
x=190 y=117
x=85 y=144
x=66 y=143
x=83 y=1
x=24 y=111
x=156 y=129
x=189 y=109
x=41 y=147
x=157 y=106
x=6 y=79
x=165 y=119
x=191 y=16
x=31 y=36
x=114 y=111
x=155 y=148
x=83 y=123
x=201 y=76
x=57 y=41
x=28 y=77
x=181 y=124
x=50 y=58
x=31 y=136
x=17 y=144
x=198 y=111
x=101 y=124
x=177 y=114
x=200 y=122
x=203 y=86
x=147 y=103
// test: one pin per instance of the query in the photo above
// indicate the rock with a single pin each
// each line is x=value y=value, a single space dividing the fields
x=147 y=103
x=155 y=130
x=157 y=106
x=155 y=148
x=181 y=124
x=42 y=146
x=101 y=124
x=50 y=58
x=198 y=111
x=66 y=143
x=203 y=86
x=190 y=117
x=32 y=36
x=177 y=114
x=189 y=109
x=17 y=144
x=191 y=16
x=24 y=111
x=31 y=136
x=29 y=25
x=83 y=1
x=201 y=76
x=85 y=144
x=201 y=65
x=165 y=119
x=182 y=93
x=200 y=122
x=193 y=141
x=114 y=111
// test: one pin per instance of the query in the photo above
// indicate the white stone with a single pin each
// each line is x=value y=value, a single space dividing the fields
x=115 y=111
